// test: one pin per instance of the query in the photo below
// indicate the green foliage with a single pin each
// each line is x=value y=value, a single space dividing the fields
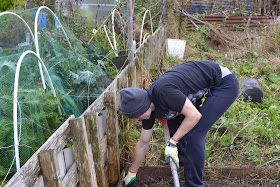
x=252 y=129
x=39 y=119
x=197 y=40
x=5 y=5
x=74 y=72
x=78 y=74
x=80 y=25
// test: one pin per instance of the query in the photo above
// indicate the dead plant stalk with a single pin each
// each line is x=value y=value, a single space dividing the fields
x=246 y=125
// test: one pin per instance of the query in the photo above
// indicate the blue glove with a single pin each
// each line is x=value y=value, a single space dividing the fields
x=171 y=151
x=130 y=178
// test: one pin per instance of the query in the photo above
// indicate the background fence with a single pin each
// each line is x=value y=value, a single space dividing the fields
x=93 y=160
x=233 y=22
x=261 y=7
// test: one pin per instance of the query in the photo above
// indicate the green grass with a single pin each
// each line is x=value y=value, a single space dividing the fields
x=248 y=134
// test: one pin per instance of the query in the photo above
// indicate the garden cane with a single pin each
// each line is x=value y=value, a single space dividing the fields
x=172 y=164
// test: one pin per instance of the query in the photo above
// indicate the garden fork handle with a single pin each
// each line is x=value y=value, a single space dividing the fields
x=172 y=164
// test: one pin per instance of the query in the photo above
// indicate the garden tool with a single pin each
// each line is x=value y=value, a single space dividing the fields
x=172 y=164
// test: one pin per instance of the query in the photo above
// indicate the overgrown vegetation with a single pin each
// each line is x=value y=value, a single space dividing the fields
x=248 y=134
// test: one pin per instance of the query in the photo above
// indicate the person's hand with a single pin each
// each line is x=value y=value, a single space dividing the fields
x=130 y=178
x=171 y=151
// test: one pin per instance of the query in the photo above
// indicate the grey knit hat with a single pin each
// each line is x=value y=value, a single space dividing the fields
x=134 y=102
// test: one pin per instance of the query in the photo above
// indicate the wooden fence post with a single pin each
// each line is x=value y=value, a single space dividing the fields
x=92 y=127
x=83 y=154
x=50 y=168
x=112 y=137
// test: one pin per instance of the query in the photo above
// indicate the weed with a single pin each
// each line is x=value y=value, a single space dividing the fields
x=248 y=133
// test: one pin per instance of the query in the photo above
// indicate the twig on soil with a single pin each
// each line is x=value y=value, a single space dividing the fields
x=274 y=160
x=246 y=125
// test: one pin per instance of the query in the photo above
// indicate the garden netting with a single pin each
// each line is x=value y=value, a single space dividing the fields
x=78 y=75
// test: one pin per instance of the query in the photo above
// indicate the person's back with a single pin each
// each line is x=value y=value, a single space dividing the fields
x=170 y=97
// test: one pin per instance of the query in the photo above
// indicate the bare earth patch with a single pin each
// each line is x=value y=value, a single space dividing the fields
x=161 y=176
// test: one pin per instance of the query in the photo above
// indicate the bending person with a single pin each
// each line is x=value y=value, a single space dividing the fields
x=191 y=97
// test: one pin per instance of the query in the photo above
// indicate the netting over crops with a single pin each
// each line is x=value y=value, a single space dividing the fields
x=78 y=78
x=78 y=73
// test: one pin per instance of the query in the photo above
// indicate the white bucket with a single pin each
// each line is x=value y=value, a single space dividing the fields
x=176 y=47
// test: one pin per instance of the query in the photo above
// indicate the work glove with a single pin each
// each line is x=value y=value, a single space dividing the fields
x=130 y=178
x=171 y=151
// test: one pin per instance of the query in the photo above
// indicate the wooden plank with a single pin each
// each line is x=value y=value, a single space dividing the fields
x=104 y=153
x=102 y=123
x=85 y=172
x=69 y=157
x=92 y=128
x=39 y=182
x=61 y=164
x=146 y=67
x=147 y=60
x=70 y=178
x=104 y=150
x=112 y=137
x=131 y=76
x=122 y=83
x=90 y=156
x=138 y=65
x=140 y=56
x=31 y=169
x=153 y=48
x=106 y=171
x=50 y=168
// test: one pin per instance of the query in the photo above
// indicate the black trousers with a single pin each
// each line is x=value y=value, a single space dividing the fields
x=192 y=146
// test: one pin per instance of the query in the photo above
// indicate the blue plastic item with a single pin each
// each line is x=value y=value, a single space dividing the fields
x=42 y=19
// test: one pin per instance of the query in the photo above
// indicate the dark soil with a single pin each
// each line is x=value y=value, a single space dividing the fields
x=161 y=176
